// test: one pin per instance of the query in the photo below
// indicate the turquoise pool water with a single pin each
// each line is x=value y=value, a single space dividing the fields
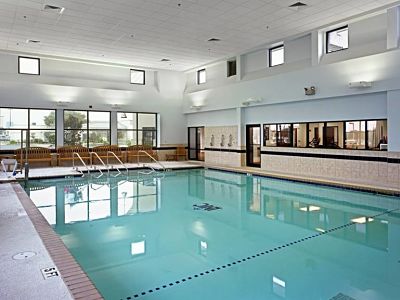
x=205 y=234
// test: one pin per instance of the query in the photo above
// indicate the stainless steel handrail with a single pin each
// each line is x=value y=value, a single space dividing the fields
x=120 y=162
x=80 y=158
x=155 y=160
x=102 y=162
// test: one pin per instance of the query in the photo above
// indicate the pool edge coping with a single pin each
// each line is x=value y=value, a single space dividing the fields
x=75 y=278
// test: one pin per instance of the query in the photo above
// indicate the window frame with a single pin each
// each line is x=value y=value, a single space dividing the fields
x=333 y=30
x=28 y=57
x=270 y=51
x=198 y=76
x=324 y=138
x=28 y=128
x=138 y=70
x=228 y=69
x=137 y=130
x=87 y=125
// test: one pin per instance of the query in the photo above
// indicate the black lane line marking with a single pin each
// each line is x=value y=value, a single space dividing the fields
x=231 y=264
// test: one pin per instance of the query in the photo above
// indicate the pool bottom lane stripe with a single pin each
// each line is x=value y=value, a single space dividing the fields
x=245 y=259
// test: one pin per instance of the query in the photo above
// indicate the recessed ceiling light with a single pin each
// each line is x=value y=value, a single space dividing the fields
x=214 y=40
x=165 y=59
x=53 y=8
x=32 y=41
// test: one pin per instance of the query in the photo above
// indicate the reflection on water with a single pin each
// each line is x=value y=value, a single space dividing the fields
x=148 y=231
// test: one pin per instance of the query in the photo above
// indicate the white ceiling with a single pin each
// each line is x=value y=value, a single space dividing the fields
x=102 y=30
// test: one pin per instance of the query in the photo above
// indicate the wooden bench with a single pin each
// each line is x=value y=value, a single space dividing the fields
x=35 y=154
x=65 y=154
x=103 y=150
x=180 y=152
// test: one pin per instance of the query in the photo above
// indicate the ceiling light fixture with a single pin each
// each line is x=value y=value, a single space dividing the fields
x=115 y=106
x=165 y=59
x=62 y=103
x=360 y=84
x=197 y=106
x=251 y=100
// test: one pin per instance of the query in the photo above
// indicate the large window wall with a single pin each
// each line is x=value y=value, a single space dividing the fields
x=17 y=123
x=358 y=134
x=137 y=129
x=87 y=128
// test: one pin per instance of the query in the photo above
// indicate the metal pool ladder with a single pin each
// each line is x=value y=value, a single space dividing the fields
x=163 y=168
x=76 y=168
x=120 y=163
x=94 y=167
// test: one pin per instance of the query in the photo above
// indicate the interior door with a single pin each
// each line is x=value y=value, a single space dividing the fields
x=192 y=144
x=253 y=145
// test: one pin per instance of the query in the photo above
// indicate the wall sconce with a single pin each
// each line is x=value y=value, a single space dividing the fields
x=309 y=91
x=251 y=100
x=360 y=84
x=62 y=103
x=197 y=106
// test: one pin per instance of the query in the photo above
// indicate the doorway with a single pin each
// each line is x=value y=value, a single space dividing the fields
x=196 y=143
x=253 y=145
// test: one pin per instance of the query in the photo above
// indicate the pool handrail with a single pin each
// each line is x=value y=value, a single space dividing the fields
x=152 y=158
x=76 y=168
x=102 y=162
x=120 y=162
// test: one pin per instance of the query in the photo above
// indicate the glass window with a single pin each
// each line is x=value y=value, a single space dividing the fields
x=337 y=39
x=14 y=118
x=355 y=135
x=334 y=134
x=75 y=119
x=127 y=138
x=201 y=76
x=377 y=134
x=147 y=121
x=41 y=130
x=284 y=135
x=137 y=76
x=147 y=138
x=126 y=120
x=28 y=65
x=270 y=135
x=316 y=135
x=276 y=56
x=99 y=120
x=231 y=68
x=299 y=135
x=87 y=128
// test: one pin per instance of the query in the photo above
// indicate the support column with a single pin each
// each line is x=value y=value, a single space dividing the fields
x=114 y=133
x=317 y=47
x=60 y=127
x=239 y=68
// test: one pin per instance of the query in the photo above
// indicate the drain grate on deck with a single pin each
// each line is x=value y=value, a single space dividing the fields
x=341 y=296
x=23 y=255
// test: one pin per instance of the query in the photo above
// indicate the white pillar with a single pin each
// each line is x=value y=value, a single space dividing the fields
x=239 y=67
x=240 y=125
x=317 y=47
x=60 y=127
x=114 y=136
x=393 y=28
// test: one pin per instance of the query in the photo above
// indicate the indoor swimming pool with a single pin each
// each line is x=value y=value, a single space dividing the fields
x=208 y=234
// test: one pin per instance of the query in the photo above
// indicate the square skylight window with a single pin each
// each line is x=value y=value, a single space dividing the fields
x=28 y=65
x=276 y=56
x=137 y=76
x=201 y=76
x=337 y=39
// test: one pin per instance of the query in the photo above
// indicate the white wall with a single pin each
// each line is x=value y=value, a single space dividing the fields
x=84 y=84
x=226 y=117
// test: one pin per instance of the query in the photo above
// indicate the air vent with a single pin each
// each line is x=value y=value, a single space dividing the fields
x=165 y=59
x=214 y=40
x=52 y=8
x=298 y=5
x=32 y=41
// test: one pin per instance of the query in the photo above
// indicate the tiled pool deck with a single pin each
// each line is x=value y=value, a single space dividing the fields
x=23 y=228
